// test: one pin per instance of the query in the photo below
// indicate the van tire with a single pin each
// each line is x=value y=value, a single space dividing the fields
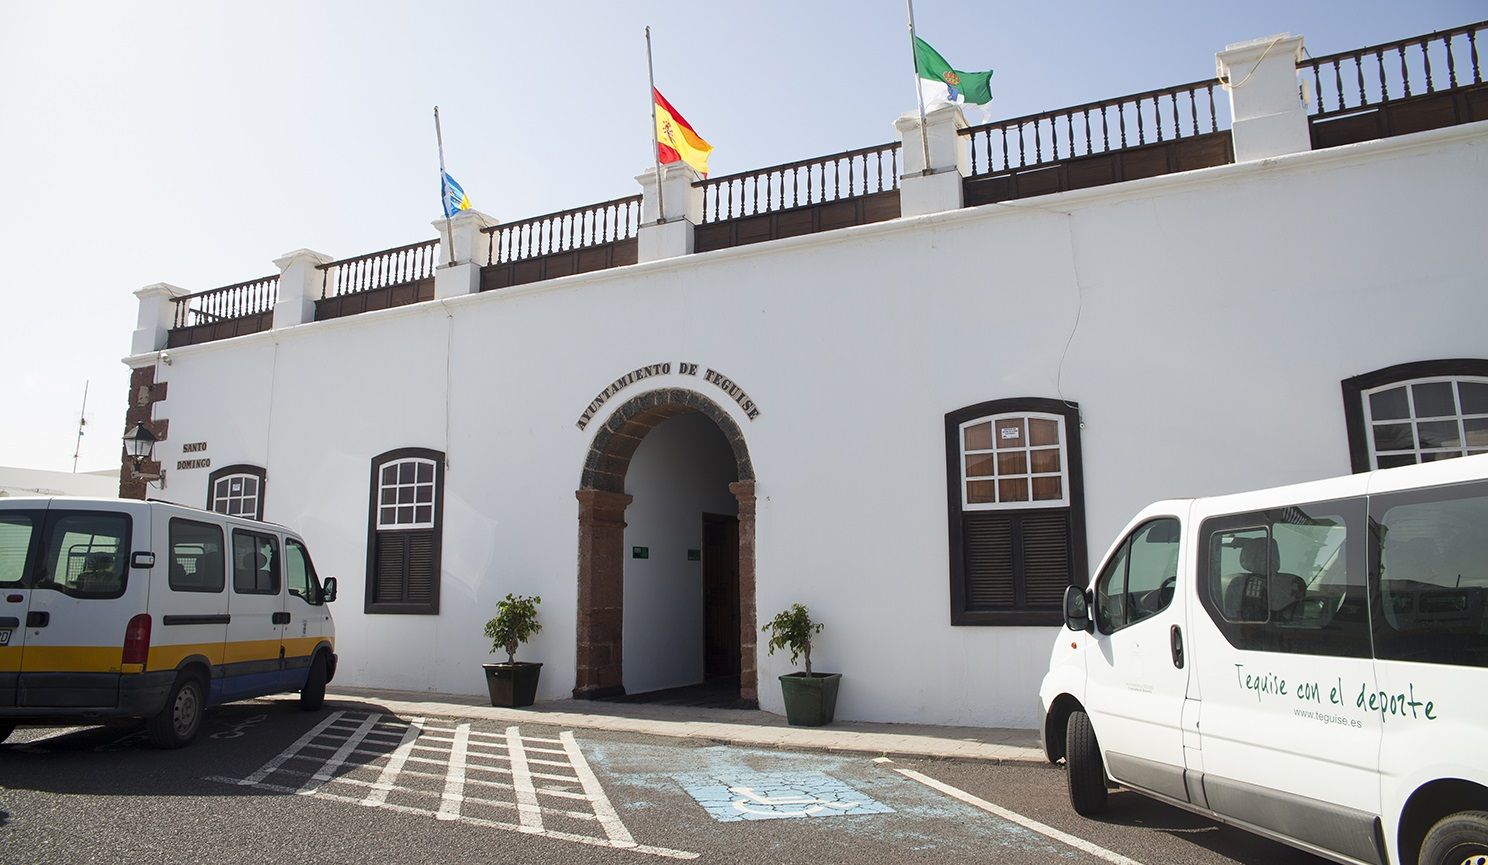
x=6 y=728
x=313 y=694
x=1457 y=839
x=1084 y=770
x=179 y=720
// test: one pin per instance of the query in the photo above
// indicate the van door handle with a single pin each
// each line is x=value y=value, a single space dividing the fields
x=281 y=618
x=1175 y=639
x=38 y=619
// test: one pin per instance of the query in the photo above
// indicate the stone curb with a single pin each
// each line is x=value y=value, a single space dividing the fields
x=823 y=740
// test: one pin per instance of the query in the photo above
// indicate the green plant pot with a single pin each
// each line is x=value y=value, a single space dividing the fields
x=810 y=701
x=513 y=685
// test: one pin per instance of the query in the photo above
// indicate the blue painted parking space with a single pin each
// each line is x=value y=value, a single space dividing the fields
x=744 y=795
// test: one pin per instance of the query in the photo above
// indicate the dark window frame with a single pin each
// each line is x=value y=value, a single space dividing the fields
x=956 y=514
x=369 y=604
x=1354 y=388
x=240 y=469
x=170 y=544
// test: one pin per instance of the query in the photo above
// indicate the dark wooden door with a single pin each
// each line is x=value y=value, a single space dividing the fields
x=720 y=596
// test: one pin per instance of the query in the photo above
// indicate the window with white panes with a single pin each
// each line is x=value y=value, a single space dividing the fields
x=1426 y=419
x=237 y=491
x=406 y=495
x=1014 y=461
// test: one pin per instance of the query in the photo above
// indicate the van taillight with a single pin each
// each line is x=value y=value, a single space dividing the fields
x=137 y=639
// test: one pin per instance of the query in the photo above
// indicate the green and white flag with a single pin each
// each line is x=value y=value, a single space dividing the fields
x=940 y=83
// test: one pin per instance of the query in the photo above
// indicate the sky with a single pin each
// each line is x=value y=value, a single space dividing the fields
x=194 y=142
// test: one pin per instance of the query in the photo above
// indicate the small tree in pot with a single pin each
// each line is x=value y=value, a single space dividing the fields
x=810 y=698
x=514 y=683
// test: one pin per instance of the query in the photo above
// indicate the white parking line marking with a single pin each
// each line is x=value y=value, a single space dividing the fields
x=394 y=765
x=268 y=768
x=527 y=809
x=454 y=780
x=608 y=819
x=337 y=759
x=328 y=769
x=1026 y=822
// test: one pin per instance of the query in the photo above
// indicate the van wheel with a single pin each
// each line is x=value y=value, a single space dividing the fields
x=1084 y=771
x=177 y=723
x=1459 y=839
x=313 y=694
x=6 y=728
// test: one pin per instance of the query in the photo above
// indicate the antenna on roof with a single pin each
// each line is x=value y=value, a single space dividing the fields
x=82 y=422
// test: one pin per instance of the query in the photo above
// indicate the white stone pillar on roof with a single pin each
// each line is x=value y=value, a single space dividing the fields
x=157 y=315
x=462 y=233
x=1268 y=115
x=300 y=284
x=670 y=237
x=940 y=188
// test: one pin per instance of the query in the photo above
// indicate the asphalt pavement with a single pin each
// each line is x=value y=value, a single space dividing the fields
x=358 y=783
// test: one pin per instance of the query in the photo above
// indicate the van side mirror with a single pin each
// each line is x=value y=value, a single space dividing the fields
x=1077 y=610
x=328 y=589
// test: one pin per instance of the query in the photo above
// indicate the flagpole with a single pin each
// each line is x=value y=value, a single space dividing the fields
x=914 y=54
x=449 y=232
x=655 y=144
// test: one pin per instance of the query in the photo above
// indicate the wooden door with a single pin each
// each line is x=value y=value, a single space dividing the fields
x=720 y=596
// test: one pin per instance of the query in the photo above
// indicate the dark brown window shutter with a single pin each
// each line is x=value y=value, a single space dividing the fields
x=392 y=565
x=989 y=561
x=420 y=574
x=1046 y=560
x=1009 y=553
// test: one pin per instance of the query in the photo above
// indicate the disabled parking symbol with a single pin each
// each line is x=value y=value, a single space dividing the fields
x=774 y=796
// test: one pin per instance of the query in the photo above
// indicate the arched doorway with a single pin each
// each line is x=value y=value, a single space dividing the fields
x=602 y=553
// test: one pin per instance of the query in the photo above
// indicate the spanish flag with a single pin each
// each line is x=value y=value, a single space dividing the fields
x=676 y=140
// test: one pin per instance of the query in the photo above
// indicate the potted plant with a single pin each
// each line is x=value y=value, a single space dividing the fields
x=514 y=683
x=810 y=698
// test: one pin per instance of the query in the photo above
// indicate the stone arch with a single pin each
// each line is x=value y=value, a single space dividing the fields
x=602 y=501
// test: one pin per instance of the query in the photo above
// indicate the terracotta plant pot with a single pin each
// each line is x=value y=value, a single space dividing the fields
x=810 y=701
x=513 y=685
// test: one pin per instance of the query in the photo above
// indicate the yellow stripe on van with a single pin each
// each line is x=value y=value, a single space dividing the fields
x=74 y=659
x=251 y=650
x=170 y=657
x=299 y=647
x=10 y=659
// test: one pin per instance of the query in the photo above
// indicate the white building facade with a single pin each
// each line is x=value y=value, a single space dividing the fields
x=923 y=424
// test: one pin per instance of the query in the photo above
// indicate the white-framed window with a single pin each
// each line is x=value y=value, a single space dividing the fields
x=1014 y=460
x=405 y=494
x=237 y=491
x=1426 y=419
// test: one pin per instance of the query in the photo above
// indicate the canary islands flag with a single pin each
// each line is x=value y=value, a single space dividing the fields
x=453 y=195
x=940 y=83
x=676 y=139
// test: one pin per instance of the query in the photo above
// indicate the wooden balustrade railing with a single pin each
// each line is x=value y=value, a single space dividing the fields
x=798 y=184
x=395 y=266
x=1184 y=111
x=1365 y=77
x=563 y=231
x=240 y=300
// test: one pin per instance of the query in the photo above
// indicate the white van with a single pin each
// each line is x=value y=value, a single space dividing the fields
x=115 y=608
x=1309 y=663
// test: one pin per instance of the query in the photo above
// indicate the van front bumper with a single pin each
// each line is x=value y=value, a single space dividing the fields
x=70 y=697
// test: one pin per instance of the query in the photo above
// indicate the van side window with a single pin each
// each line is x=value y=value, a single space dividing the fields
x=86 y=554
x=1140 y=579
x=196 y=559
x=1430 y=571
x=1288 y=580
x=299 y=573
x=16 y=532
x=255 y=563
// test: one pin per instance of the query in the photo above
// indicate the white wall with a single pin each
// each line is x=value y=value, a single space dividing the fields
x=681 y=471
x=1209 y=317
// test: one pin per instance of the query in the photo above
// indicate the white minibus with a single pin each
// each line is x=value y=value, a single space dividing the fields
x=115 y=608
x=1309 y=663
